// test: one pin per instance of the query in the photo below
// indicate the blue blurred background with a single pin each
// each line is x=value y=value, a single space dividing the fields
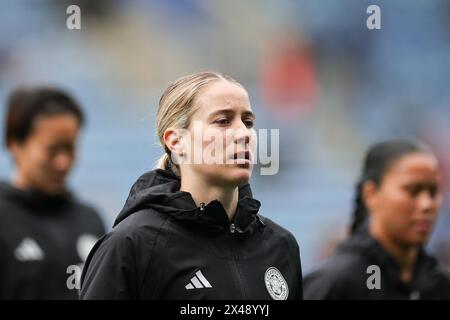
x=312 y=68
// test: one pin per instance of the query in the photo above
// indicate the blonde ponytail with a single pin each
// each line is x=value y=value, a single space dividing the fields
x=163 y=162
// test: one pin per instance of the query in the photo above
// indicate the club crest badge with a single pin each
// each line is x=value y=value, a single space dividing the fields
x=275 y=284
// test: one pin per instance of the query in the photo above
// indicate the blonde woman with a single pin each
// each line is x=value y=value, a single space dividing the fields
x=191 y=229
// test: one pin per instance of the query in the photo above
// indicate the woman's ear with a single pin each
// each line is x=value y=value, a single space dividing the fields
x=370 y=195
x=172 y=140
x=14 y=149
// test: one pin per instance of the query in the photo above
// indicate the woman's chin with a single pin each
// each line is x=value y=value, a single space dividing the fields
x=229 y=175
x=239 y=175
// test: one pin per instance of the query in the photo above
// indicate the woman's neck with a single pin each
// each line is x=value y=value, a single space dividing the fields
x=405 y=256
x=19 y=181
x=205 y=192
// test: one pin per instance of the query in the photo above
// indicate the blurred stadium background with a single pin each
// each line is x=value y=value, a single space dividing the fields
x=312 y=68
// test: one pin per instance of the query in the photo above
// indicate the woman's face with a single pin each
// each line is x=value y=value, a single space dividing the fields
x=406 y=203
x=222 y=140
x=46 y=156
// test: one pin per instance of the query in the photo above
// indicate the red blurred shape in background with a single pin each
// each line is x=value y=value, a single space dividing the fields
x=289 y=77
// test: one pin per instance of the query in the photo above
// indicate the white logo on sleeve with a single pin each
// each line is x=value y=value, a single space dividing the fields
x=85 y=243
x=275 y=284
x=28 y=250
x=198 y=282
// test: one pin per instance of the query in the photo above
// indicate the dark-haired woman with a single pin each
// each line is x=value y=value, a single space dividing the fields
x=45 y=233
x=398 y=198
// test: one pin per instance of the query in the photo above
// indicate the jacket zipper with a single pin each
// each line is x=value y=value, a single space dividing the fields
x=238 y=274
x=235 y=229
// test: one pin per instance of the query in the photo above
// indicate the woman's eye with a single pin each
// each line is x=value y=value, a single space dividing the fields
x=413 y=191
x=249 y=123
x=222 y=121
x=433 y=190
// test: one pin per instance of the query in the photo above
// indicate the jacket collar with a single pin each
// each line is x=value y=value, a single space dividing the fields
x=159 y=190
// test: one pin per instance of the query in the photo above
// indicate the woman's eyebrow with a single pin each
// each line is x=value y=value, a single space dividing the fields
x=222 y=111
x=249 y=113
x=231 y=112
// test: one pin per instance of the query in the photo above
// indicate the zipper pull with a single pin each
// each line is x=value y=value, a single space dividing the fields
x=202 y=207
x=262 y=225
x=233 y=228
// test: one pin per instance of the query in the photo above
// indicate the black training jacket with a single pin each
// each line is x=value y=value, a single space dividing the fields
x=349 y=274
x=165 y=247
x=43 y=242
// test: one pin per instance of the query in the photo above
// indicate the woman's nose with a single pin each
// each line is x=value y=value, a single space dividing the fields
x=242 y=134
x=426 y=202
x=63 y=162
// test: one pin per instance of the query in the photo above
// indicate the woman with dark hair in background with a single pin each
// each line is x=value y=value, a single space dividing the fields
x=45 y=233
x=397 y=201
x=191 y=229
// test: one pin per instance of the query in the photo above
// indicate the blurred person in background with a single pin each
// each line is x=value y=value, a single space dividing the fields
x=44 y=229
x=397 y=202
x=192 y=230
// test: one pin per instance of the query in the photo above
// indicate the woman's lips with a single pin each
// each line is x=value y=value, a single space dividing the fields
x=423 y=226
x=242 y=157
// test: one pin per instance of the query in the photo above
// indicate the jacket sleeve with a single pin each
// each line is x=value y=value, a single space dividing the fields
x=110 y=270
x=333 y=280
x=295 y=256
x=96 y=223
x=318 y=286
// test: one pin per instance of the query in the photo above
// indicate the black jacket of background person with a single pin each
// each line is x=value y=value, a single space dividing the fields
x=345 y=274
x=165 y=247
x=40 y=237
